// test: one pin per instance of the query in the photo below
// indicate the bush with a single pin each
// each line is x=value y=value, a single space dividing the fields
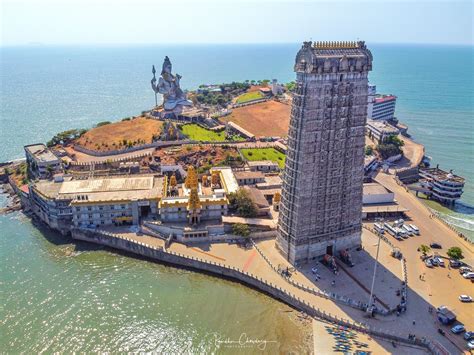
x=369 y=150
x=388 y=150
x=103 y=123
x=241 y=229
x=455 y=253
x=424 y=249
x=66 y=137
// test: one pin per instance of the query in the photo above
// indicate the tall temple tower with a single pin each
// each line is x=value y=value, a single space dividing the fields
x=321 y=205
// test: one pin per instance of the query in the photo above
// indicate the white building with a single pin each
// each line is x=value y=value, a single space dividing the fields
x=63 y=204
x=443 y=186
x=41 y=161
x=372 y=91
x=375 y=193
x=380 y=131
x=383 y=107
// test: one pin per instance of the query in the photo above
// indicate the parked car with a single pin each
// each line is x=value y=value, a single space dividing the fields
x=434 y=261
x=458 y=329
x=468 y=275
x=424 y=257
x=464 y=269
x=428 y=263
x=440 y=261
x=465 y=298
x=454 y=263
x=470 y=345
x=469 y=335
x=435 y=245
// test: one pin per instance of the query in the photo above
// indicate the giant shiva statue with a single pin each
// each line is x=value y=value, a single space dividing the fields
x=173 y=97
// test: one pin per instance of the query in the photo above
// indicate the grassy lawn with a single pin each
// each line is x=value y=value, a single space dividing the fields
x=264 y=154
x=198 y=133
x=249 y=96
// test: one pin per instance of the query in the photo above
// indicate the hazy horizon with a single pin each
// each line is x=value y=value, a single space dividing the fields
x=152 y=22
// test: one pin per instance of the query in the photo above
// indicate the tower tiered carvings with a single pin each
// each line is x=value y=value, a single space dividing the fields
x=321 y=206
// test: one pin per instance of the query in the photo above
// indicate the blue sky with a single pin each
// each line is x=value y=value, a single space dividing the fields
x=234 y=21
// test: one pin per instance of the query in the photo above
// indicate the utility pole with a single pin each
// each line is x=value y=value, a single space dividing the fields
x=371 y=299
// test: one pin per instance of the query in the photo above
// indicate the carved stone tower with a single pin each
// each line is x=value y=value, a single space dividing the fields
x=321 y=205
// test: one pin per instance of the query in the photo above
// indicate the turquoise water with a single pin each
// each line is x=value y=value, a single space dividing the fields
x=56 y=298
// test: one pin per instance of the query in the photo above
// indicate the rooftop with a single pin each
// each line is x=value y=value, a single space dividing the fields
x=374 y=188
x=438 y=174
x=103 y=189
x=262 y=163
x=257 y=197
x=382 y=126
x=248 y=175
x=228 y=180
x=384 y=98
x=41 y=152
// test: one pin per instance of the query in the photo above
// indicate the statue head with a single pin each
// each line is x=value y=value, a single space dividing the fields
x=166 y=66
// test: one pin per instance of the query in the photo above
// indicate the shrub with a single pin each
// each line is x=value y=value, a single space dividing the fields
x=424 y=249
x=241 y=229
x=103 y=123
x=455 y=253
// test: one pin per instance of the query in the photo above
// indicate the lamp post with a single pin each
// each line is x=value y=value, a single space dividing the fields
x=371 y=299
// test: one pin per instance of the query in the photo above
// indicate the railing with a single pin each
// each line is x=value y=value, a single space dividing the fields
x=327 y=295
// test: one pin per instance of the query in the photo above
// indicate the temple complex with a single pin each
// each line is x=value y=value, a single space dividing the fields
x=321 y=204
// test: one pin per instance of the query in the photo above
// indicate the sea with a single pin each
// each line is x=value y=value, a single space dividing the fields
x=62 y=297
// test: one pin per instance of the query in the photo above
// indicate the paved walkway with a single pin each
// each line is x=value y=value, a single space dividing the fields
x=241 y=257
x=441 y=286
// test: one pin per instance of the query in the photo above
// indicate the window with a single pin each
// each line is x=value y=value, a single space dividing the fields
x=89 y=208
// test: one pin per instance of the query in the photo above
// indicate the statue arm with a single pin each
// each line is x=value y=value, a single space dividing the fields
x=161 y=87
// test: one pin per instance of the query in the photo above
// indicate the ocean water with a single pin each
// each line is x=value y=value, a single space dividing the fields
x=58 y=299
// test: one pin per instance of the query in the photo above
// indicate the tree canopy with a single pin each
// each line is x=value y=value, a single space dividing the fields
x=455 y=253
x=241 y=229
x=241 y=202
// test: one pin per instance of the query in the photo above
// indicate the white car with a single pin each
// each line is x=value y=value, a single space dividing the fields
x=468 y=275
x=440 y=261
x=465 y=298
x=470 y=345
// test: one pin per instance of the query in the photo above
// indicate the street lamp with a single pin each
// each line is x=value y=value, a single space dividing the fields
x=371 y=299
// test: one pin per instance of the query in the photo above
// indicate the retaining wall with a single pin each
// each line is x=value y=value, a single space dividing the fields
x=159 y=254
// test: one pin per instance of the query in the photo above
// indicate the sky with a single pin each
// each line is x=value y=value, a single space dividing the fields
x=72 y=22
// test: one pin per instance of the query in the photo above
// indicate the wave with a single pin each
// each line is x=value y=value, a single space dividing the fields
x=460 y=222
